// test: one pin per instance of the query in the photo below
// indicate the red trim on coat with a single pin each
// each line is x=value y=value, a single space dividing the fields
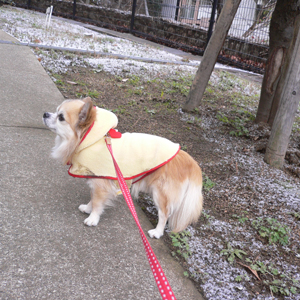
x=143 y=174
x=88 y=131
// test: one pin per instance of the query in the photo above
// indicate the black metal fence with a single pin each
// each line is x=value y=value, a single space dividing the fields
x=182 y=24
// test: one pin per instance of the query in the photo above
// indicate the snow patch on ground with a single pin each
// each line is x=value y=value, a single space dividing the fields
x=29 y=27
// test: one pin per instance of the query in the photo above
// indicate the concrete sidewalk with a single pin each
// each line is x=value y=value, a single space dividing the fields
x=46 y=252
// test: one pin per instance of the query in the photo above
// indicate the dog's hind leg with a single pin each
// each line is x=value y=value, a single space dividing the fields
x=161 y=203
x=159 y=230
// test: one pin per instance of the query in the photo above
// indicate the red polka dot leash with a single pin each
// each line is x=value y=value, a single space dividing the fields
x=159 y=276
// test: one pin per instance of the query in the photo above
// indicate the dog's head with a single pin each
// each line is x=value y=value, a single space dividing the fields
x=70 y=122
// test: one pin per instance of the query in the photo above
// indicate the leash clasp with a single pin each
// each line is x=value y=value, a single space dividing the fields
x=108 y=140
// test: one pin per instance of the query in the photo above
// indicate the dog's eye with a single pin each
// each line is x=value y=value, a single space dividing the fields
x=61 y=117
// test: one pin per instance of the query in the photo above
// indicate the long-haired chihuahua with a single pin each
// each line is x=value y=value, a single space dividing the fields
x=149 y=163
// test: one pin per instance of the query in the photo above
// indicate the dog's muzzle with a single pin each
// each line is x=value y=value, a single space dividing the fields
x=46 y=119
x=46 y=115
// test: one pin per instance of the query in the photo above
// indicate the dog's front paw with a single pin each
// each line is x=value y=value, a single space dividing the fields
x=92 y=220
x=85 y=208
x=154 y=233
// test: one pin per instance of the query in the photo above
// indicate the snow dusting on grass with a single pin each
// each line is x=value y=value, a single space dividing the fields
x=29 y=27
x=273 y=189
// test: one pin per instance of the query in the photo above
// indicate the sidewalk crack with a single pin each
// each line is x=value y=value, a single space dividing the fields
x=22 y=126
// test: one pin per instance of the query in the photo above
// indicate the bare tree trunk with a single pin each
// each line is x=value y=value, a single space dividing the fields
x=211 y=54
x=288 y=103
x=281 y=32
x=278 y=93
x=269 y=85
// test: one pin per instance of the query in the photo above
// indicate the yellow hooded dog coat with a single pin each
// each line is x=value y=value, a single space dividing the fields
x=136 y=153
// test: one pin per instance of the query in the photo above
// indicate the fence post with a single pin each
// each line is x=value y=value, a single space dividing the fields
x=74 y=8
x=28 y=3
x=177 y=10
x=132 y=15
x=211 y=21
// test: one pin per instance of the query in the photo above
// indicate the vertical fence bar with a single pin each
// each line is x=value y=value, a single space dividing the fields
x=212 y=21
x=132 y=15
x=177 y=10
x=74 y=8
x=28 y=3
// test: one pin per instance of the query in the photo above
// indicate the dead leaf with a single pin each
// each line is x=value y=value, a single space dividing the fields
x=72 y=82
x=253 y=271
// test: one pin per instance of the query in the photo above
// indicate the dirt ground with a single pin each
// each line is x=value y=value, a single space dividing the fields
x=220 y=135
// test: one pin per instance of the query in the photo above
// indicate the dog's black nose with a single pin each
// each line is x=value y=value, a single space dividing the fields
x=46 y=115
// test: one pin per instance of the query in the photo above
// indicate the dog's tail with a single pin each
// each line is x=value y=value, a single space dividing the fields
x=184 y=191
x=188 y=209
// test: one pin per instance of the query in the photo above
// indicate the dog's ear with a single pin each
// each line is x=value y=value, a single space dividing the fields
x=87 y=114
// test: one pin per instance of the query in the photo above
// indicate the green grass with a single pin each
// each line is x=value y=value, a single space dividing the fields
x=232 y=253
x=272 y=230
x=208 y=184
x=236 y=119
x=278 y=282
x=180 y=241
